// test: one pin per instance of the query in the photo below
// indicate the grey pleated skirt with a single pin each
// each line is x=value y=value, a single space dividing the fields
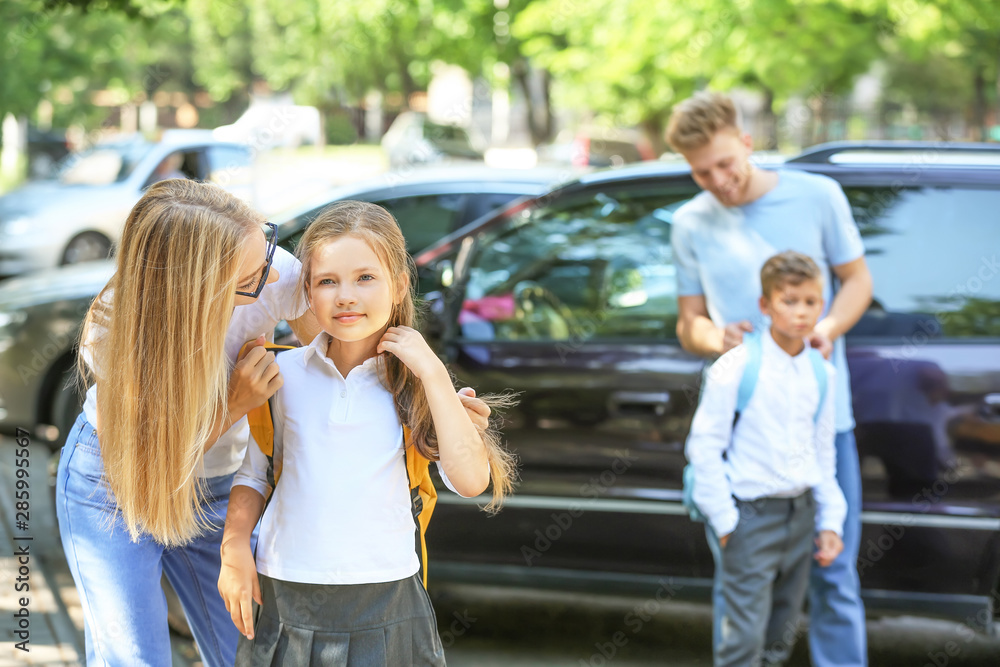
x=361 y=625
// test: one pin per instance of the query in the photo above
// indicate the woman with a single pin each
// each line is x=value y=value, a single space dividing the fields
x=198 y=274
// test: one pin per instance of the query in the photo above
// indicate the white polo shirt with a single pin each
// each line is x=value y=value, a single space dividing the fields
x=341 y=512
x=777 y=449
x=281 y=300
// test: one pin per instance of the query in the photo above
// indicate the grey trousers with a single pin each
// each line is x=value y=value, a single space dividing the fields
x=761 y=579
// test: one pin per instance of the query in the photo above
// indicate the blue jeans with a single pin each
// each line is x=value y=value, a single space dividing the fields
x=837 y=634
x=125 y=611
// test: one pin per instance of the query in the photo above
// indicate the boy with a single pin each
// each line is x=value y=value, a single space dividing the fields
x=765 y=478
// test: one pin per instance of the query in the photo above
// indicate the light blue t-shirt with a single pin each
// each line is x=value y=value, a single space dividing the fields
x=720 y=250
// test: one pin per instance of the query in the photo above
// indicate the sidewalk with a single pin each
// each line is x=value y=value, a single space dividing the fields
x=53 y=637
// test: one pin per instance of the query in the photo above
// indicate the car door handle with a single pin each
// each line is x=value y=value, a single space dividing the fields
x=639 y=403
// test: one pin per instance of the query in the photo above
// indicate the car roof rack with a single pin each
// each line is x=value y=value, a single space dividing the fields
x=929 y=153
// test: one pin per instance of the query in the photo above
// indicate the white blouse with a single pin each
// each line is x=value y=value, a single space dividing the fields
x=341 y=512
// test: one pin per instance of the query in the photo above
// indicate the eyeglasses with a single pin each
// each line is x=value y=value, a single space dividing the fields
x=272 y=244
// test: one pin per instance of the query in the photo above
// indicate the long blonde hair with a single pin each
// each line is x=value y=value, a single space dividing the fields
x=159 y=360
x=376 y=226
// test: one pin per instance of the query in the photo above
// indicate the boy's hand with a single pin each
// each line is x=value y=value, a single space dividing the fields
x=724 y=540
x=830 y=545
x=410 y=347
x=238 y=584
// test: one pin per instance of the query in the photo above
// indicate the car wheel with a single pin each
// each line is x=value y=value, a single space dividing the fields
x=87 y=247
x=67 y=402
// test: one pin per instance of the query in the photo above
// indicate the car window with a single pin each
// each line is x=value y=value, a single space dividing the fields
x=931 y=254
x=103 y=164
x=485 y=202
x=179 y=164
x=593 y=265
x=425 y=219
x=229 y=166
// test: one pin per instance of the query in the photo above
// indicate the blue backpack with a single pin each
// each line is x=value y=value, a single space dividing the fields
x=747 y=383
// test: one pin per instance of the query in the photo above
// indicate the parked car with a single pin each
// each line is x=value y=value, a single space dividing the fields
x=267 y=125
x=412 y=139
x=570 y=299
x=78 y=214
x=45 y=149
x=40 y=314
x=596 y=147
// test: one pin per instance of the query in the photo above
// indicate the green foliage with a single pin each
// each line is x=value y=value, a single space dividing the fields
x=339 y=129
x=631 y=60
x=627 y=61
x=64 y=54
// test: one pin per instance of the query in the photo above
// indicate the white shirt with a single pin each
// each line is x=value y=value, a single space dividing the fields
x=341 y=512
x=281 y=300
x=776 y=450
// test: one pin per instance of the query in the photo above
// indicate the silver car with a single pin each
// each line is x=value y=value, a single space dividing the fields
x=78 y=215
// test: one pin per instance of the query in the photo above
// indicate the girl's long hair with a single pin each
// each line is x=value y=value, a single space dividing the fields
x=157 y=334
x=376 y=226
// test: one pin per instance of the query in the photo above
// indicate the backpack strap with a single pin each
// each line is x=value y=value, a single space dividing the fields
x=751 y=372
x=819 y=368
x=262 y=427
x=423 y=496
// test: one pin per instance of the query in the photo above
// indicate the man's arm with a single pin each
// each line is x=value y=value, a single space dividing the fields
x=697 y=333
x=851 y=300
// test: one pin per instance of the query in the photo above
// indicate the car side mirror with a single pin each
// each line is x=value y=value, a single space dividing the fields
x=434 y=325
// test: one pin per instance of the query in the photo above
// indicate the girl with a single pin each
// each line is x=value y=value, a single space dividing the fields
x=198 y=274
x=338 y=569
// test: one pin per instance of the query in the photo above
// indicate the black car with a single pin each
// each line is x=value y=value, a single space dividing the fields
x=40 y=313
x=570 y=299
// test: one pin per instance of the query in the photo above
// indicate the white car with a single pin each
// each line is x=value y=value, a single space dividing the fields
x=267 y=125
x=78 y=215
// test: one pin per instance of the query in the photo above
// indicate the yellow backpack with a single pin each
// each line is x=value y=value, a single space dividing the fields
x=423 y=495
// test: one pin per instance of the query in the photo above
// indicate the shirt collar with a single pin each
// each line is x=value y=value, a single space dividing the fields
x=317 y=350
x=769 y=342
x=317 y=347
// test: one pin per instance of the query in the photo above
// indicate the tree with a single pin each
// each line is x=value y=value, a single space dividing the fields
x=628 y=61
x=815 y=49
x=632 y=61
x=962 y=38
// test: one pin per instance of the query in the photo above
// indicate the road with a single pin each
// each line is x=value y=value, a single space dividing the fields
x=480 y=626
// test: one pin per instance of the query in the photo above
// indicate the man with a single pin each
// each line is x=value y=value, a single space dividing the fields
x=721 y=238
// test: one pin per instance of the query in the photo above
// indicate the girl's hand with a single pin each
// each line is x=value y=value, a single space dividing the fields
x=238 y=584
x=477 y=410
x=411 y=348
x=254 y=379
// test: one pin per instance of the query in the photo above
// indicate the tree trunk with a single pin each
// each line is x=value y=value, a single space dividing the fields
x=979 y=104
x=539 y=114
x=550 y=121
x=822 y=113
x=653 y=128
x=520 y=73
x=769 y=122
